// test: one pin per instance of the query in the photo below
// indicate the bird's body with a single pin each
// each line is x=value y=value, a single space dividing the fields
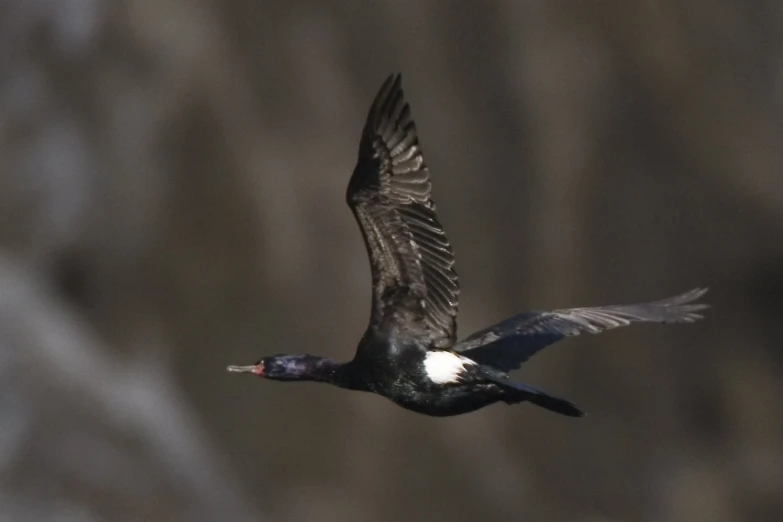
x=409 y=352
x=435 y=383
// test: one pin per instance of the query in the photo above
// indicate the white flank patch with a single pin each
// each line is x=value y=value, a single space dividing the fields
x=445 y=367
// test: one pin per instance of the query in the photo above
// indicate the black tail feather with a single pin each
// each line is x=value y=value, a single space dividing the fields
x=556 y=405
x=518 y=392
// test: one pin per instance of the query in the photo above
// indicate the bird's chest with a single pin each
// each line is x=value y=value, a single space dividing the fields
x=383 y=367
x=395 y=368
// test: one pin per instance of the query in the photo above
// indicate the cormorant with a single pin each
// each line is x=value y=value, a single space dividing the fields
x=409 y=352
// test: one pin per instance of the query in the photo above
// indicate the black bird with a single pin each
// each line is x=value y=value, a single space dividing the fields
x=410 y=352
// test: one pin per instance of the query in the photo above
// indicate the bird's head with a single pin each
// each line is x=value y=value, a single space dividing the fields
x=289 y=368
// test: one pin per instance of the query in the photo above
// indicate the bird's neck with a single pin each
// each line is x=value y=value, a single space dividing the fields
x=313 y=368
x=323 y=369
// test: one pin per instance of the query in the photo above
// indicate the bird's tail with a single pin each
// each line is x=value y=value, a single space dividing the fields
x=518 y=392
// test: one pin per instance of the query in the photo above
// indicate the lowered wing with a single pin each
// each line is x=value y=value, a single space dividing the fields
x=510 y=343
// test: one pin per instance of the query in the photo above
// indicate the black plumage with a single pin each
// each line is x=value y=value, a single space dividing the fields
x=508 y=344
x=409 y=352
x=411 y=260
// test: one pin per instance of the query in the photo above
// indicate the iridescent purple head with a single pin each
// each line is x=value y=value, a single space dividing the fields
x=291 y=368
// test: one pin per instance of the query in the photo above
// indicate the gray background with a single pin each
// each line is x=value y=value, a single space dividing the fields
x=172 y=179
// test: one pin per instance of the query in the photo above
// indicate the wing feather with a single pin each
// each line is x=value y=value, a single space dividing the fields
x=510 y=343
x=414 y=281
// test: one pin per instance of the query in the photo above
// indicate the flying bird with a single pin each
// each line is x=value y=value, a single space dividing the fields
x=409 y=352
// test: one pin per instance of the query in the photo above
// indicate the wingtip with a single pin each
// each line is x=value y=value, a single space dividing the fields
x=692 y=294
x=396 y=84
x=392 y=83
x=390 y=91
x=686 y=298
x=699 y=292
x=687 y=309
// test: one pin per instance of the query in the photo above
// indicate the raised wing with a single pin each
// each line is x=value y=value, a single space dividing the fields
x=510 y=343
x=414 y=282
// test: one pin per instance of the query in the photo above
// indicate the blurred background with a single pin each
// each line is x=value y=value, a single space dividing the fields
x=172 y=180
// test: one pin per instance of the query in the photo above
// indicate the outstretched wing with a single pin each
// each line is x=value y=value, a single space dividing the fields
x=414 y=282
x=510 y=343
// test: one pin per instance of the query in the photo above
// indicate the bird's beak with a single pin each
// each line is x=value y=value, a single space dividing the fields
x=257 y=369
